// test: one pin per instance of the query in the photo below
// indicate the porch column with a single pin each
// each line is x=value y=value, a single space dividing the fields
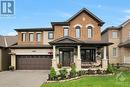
x=104 y=60
x=54 y=63
x=78 y=62
x=13 y=61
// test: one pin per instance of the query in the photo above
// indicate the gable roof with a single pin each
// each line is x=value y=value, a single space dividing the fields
x=66 y=40
x=2 y=42
x=124 y=23
x=87 y=11
x=75 y=15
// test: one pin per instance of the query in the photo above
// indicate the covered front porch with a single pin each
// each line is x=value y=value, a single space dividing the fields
x=67 y=51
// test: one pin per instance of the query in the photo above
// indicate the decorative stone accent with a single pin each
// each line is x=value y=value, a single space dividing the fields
x=78 y=64
x=13 y=61
x=54 y=64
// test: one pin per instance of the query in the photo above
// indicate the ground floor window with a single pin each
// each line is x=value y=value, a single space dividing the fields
x=88 y=55
x=114 y=51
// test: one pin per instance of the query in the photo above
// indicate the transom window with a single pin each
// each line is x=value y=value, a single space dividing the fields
x=114 y=34
x=66 y=31
x=23 y=37
x=90 y=31
x=50 y=35
x=31 y=37
x=38 y=37
x=77 y=31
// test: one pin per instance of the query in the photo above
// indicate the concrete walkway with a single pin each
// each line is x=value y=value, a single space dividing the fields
x=23 y=78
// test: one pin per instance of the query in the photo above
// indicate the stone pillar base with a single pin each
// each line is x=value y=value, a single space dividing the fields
x=54 y=64
x=104 y=63
x=78 y=64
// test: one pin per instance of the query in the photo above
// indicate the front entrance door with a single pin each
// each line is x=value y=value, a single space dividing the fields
x=66 y=58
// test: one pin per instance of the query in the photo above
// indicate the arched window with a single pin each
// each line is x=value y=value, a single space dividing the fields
x=66 y=31
x=90 y=31
x=77 y=33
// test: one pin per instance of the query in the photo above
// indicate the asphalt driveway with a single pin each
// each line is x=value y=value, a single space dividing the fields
x=23 y=78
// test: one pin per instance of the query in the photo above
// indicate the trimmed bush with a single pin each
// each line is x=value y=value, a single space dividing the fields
x=73 y=71
x=11 y=68
x=111 y=69
x=59 y=65
x=52 y=74
x=63 y=73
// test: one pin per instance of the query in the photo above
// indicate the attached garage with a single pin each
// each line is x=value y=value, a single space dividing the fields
x=33 y=62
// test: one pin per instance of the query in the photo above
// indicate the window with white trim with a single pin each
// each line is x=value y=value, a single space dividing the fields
x=50 y=35
x=114 y=34
x=114 y=51
x=129 y=33
x=38 y=37
x=66 y=31
x=77 y=33
x=23 y=37
x=89 y=31
x=31 y=37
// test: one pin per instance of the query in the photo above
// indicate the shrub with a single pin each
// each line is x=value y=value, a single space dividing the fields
x=11 y=68
x=63 y=73
x=99 y=71
x=52 y=74
x=111 y=69
x=91 y=71
x=73 y=71
x=59 y=65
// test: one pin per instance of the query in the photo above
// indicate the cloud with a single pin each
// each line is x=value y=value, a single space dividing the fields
x=99 y=6
x=127 y=11
x=12 y=33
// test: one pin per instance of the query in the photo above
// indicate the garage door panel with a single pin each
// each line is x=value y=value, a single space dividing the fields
x=33 y=62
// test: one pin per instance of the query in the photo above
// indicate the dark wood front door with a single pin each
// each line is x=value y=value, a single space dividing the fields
x=66 y=58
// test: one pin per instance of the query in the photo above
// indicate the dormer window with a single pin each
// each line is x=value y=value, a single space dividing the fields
x=90 y=31
x=66 y=31
x=77 y=33
x=23 y=36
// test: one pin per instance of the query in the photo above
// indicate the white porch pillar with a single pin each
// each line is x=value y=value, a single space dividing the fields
x=104 y=60
x=54 y=63
x=13 y=61
x=78 y=62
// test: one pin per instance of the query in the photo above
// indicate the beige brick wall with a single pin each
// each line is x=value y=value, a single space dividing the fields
x=0 y=59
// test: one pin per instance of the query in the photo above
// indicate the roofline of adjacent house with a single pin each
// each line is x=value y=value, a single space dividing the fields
x=34 y=29
x=111 y=28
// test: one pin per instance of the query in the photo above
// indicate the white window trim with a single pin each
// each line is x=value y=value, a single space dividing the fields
x=89 y=25
x=65 y=26
x=116 y=51
x=114 y=37
x=78 y=25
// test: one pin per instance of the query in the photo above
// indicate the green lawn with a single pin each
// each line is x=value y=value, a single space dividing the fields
x=119 y=80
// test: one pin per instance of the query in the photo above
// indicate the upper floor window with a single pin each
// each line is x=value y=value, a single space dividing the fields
x=77 y=31
x=129 y=33
x=38 y=37
x=66 y=31
x=50 y=35
x=31 y=37
x=114 y=34
x=23 y=37
x=114 y=51
x=90 y=31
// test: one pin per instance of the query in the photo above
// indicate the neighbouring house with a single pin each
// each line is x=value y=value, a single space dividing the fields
x=5 y=42
x=119 y=52
x=76 y=40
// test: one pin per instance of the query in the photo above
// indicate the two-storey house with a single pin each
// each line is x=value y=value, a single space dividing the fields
x=76 y=40
x=119 y=52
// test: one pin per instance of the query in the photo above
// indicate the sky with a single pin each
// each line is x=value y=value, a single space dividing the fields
x=40 y=13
